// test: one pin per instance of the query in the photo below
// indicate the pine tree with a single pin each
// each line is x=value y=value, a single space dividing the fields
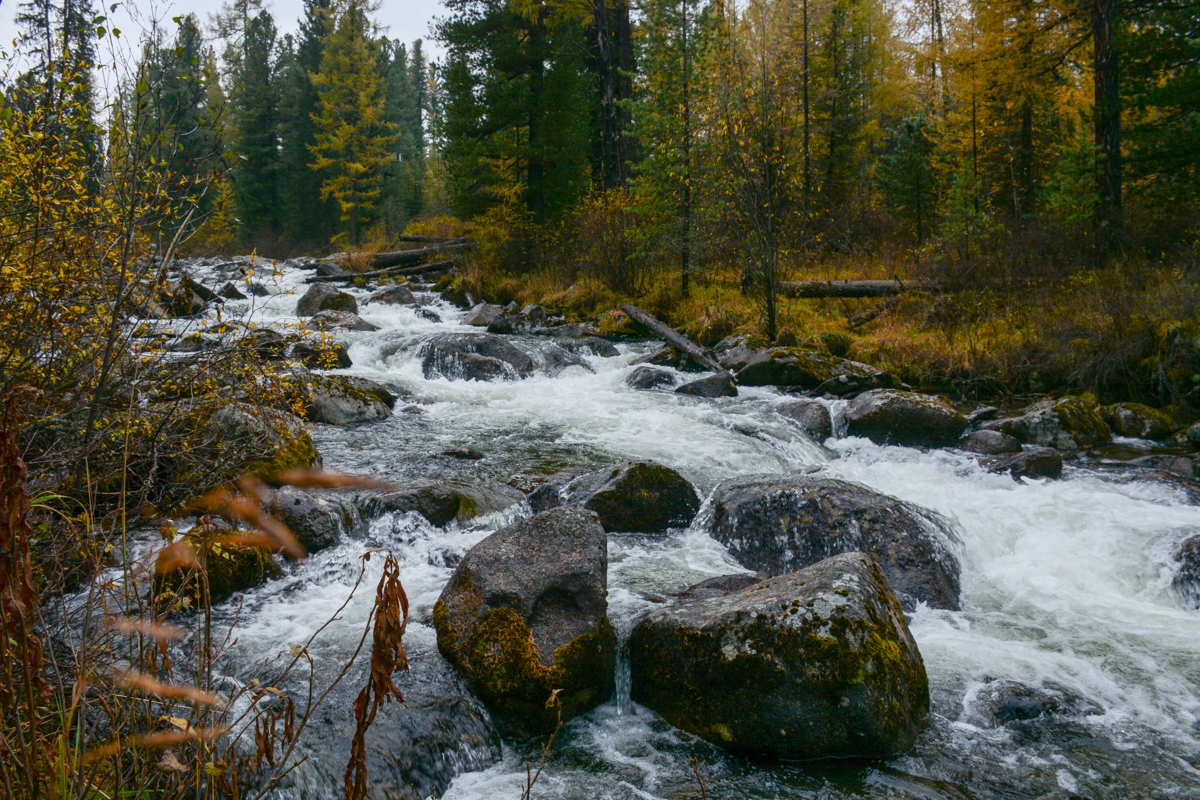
x=906 y=174
x=256 y=140
x=353 y=139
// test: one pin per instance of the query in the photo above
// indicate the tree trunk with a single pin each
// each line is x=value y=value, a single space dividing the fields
x=1107 y=122
x=672 y=336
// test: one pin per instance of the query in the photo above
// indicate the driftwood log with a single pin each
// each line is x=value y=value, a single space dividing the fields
x=398 y=257
x=673 y=337
x=851 y=288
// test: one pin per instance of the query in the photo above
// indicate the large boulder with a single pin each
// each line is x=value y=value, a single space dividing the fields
x=1071 y=423
x=260 y=441
x=228 y=570
x=719 y=385
x=483 y=357
x=328 y=320
x=646 y=378
x=325 y=297
x=780 y=524
x=817 y=664
x=812 y=417
x=1137 y=421
x=672 y=357
x=317 y=522
x=804 y=369
x=526 y=613
x=1000 y=702
x=588 y=346
x=482 y=315
x=891 y=416
x=442 y=504
x=644 y=497
x=336 y=401
x=989 y=443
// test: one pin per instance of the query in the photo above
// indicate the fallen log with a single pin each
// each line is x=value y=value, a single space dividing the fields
x=431 y=267
x=673 y=337
x=398 y=257
x=851 y=288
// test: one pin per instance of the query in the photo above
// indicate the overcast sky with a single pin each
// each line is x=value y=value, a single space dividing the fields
x=405 y=20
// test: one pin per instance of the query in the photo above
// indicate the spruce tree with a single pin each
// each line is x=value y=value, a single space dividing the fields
x=256 y=141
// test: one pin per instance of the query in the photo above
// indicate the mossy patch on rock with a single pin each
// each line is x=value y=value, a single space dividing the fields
x=1070 y=423
x=805 y=369
x=229 y=570
x=1138 y=421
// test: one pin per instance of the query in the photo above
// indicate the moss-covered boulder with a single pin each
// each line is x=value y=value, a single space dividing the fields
x=719 y=385
x=644 y=497
x=891 y=416
x=805 y=369
x=260 y=441
x=1137 y=421
x=325 y=297
x=526 y=613
x=335 y=400
x=320 y=355
x=1070 y=423
x=442 y=504
x=1036 y=462
x=780 y=524
x=468 y=357
x=229 y=570
x=328 y=320
x=817 y=664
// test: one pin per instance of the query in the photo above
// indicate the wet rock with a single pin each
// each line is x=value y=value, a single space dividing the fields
x=339 y=321
x=514 y=324
x=482 y=357
x=335 y=401
x=442 y=504
x=1000 y=702
x=811 y=416
x=646 y=378
x=555 y=359
x=397 y=295
x=816 y=664
x=267 y=343
x=1071 y=423
x=317 y=522
x=720 y=586
x=330 y=268
x=805 y=369
x=464 y=453
x=1193 y=436
x=644 y=497
x=526 y=613
x=388 y=395
x=426 y=313
x=317 y=355
x=719 y=385
x=1173 y=465
x=670 y=357
x=733 y=353
x=1137 y=421
x=230 y=292
x=482 y=315
x=324 y=297
x=588 y=346
x=780 y=524
x=1036 y=462
x=989 y=443
x=545 y=497
x=1187 y=579
x=891 y=416
x=230 y=570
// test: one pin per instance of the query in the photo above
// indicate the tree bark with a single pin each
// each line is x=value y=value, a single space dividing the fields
x=850 y=288
x=1107 y=122
x=673 y=337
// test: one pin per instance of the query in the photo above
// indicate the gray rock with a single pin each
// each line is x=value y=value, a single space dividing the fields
x=398 y=295
x=817 y=664
x=779 y=524
x=316 y=355
x=336 y=401
x=464 y=453
x=330 y=268
x=513 y=324
x=482 y=315
x=989 y=443
x=670 y=357
x=442 y=504
x=805 y=369
x=317 y=522
x=484 y=357
x=388 y=395
x=1138 y=421
x=1000 y=702
x=1193 y=436
x=811 y=416
x=1187 y=578
x=588 y=346
x=324 y=297
x=891 y=416
x=339 y=321
x=719 y=385
x=646 y=378
x=1036 y=462
x=555 y=359
x=230 y=292
x=526 y=612
x=1174 y=465
x=644 y=497
x=720 y=586
x=1070 y=423
x=735 y=358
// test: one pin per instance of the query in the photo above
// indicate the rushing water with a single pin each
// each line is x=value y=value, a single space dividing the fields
x=1065 y=583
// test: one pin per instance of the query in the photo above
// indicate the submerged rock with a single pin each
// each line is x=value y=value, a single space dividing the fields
x=1036 y=462
x=1187 y=578
x=525 y=613
x=325 y=297
x=989 y=443
x=588 y=346
x=339 y=321
x=891 y=416
x=812 y=417
x=317 y=522
x=481 y=357
x=398 y=295
x=1072 y=423
x=1000 y=702
x=780 y=524
x=816 y=664
x=672 y=357
x=644 y=497
x=646 y=378
x=441 y=504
